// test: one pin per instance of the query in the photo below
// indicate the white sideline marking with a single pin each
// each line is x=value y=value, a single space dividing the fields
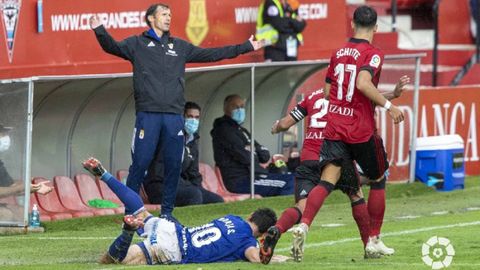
x=332 y=225
x=425 y=229
x=407 y=217
x=73 y=238
x=439 y=213
x=473 y=208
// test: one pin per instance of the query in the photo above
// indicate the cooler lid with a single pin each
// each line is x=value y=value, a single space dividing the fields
x=440 y=142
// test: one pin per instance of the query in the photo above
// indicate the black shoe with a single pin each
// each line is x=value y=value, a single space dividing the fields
x=271 y=238
x=94 y=167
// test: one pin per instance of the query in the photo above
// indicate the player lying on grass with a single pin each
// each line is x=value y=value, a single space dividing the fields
x=225 y=239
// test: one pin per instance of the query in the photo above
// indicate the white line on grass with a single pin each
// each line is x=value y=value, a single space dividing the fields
x=326 y=243
x=425 y=229
x=76 y=238
x=439 y=213
x=407 y=217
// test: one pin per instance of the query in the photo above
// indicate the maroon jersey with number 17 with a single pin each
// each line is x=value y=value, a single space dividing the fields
x=351 y=114
x=314 y=108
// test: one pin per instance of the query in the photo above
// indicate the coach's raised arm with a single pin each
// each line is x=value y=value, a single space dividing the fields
x=158 y=61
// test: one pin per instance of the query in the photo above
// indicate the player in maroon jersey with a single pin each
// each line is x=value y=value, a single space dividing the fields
x=351 y=86
x=314 y=109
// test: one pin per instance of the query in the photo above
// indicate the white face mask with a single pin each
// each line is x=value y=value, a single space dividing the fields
x=4 y=143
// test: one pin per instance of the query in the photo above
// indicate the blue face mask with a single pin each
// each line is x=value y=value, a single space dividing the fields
x=191 y=125
x=239 y=115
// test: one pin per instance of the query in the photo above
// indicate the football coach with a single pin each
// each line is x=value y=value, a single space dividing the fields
x=158 y=61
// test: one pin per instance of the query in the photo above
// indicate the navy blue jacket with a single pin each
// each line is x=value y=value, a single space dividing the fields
x=229 y=141
x=159 y=66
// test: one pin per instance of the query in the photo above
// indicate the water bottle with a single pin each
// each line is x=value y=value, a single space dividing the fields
x=35 y=217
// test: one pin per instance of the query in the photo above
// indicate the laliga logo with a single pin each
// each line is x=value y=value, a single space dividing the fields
x=438 y=252
x=10 y=10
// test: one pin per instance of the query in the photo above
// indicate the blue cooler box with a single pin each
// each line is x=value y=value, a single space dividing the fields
x=440 y=162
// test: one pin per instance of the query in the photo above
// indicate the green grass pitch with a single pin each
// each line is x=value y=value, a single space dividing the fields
x=414 y=214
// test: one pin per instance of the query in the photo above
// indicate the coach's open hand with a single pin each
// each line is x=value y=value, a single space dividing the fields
x=257 y=44
x=95 y=22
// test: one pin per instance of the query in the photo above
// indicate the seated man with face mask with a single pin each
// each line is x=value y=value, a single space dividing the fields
x=190 y=190
x=11 y=187
x=232 y=148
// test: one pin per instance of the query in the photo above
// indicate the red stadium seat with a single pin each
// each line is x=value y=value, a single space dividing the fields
x=89 y=190
x=9 y=200
x=51 y=203
x=212 y=183
x=122 y=176
x=222 y=185
x=44 y=215
x=108 y=194
x=69 y=197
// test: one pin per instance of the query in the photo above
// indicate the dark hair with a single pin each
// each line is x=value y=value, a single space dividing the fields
x=264 y=218
x=151 y=11
x=229 y=99
x=191 y=105
x=365 y=16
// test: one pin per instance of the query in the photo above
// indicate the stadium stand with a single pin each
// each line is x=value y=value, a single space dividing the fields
x=44 y=215
x=213 y=183
x=51 y=203
x=107 y=194
x=88 y=190
x=70 y=198
x=9 y=200
x=223 y=188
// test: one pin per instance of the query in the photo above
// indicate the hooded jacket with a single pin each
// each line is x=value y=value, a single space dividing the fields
x=159 y=66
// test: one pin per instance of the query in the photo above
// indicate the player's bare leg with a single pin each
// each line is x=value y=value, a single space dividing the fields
x=330 y=176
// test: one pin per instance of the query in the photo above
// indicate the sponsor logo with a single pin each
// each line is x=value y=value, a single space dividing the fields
x=340 y=110
x=114 y=20
x=171 y=53
x=10 y=10
x=303 y=193
x=314 y=135
x=141 y=135
x=151 y=44
x=438 y=252
x=197 y=24
x=375 y=62
x=180 y=133
x=313 y=11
